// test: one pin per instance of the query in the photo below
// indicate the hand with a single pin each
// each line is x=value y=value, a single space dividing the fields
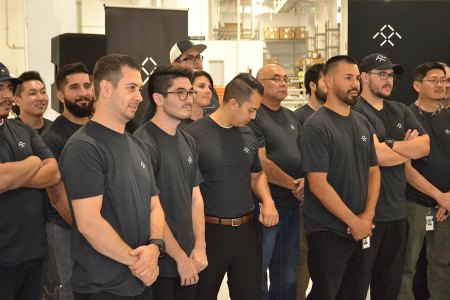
x=299 y=191
x=441 y=214
x=360 y=229
x=188 y=272
x=198 y=256
x=269 y=214
x=146 y=268
x=443 y=199
x=411 y=134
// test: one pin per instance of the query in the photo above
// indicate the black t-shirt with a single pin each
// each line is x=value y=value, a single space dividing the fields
x=277 y=131
x=436 y=166
x=99 y=161
x=22 y=231
x=55 y=137
x=185 y=123
x=41 y=130
x=303 y=113
x=392 y=121
x=175 y=163
x=343 y=148
x=226 y=158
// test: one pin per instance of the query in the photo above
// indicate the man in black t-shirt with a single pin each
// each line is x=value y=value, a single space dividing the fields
x=341 y=187
x=175 y=163
x=31 y=100
x=26 y=167
x=400 y=137
x=428 y=186
x=316 y=89
x=231 y=169
x=276 y=130
x=118 y=222
x=74 y=90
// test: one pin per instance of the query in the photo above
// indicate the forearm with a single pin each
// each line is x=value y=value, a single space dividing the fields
x=388 y=157
x=373 y=190
x=261 y=188
x=104 y=239
x=16 y=174
x=58 y=199
x=173 y=249
x=47 y=176
x=277 y=176
x=331 y=200
x=198 y=218
x=157 y=220
x=414 y=148
x=420 y=183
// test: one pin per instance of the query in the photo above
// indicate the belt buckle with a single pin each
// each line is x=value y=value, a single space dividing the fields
x=237 y=220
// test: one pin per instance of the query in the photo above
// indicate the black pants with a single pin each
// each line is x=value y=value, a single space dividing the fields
x=387 y=259
x=169 y=288
x=146 y=295
x=22 y=282
x=338 y=267
x=237 y=252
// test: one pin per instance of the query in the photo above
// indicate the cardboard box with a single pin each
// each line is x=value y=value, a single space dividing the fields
x=271 y=30
x=301 y=35
x=271 y=36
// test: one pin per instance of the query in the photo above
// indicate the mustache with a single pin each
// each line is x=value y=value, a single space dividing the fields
x=81 y=98
x=388 y=85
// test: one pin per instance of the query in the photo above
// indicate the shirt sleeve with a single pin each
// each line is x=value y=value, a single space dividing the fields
x=55 y=144
x=258 y=129
x=82 y=170
x=38 y=146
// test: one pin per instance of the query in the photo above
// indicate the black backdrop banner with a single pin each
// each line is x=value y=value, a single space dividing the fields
x=147 y=35
x=408 y=32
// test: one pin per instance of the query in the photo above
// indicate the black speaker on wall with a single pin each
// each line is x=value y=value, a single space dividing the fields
x=75 y=47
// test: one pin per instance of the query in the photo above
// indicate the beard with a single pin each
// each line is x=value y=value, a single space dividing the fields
x=77 y=110
x=344 y=96
x=380 y=93
x=321 y=96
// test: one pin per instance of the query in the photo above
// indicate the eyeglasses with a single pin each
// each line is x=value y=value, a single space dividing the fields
x=384 y=75
x=278 y=79
x=435 y=81
x=182 y=94
x=191 y=59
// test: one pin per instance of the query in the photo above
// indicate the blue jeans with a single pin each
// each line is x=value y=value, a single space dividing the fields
x=281 y=248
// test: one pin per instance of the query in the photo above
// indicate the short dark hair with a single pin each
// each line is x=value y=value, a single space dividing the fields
x=332 y=63
x=66 y=70
x=202 y=73
x=162 y=79
x=242 y=87
x=421 y=70
x=27 y=76
x=109 y=67
x=313 y=75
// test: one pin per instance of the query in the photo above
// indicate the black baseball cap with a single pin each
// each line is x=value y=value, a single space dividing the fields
x=4 y=75
x=378 y=61
x=183 y=46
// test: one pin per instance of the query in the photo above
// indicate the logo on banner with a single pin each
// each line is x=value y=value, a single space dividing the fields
x=388 y=33
x=147 y=73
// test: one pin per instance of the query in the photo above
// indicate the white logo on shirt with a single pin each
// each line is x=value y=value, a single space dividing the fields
x=399 y=125
x=22 y=145
x=190 y=160
x=447 y=131
x=292 y=127
x=246 y=150
x=363 y=138
x=143 y=165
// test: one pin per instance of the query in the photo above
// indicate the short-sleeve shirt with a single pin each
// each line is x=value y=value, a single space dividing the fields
x=44 y=127
x=22 y=230
x=303 y=113
x=435 y=167
x=175 y=163
x=277 y=132
x=99 y=161
x=342 y=147
x=391 y=122
x=226 y=158
x=55 y=137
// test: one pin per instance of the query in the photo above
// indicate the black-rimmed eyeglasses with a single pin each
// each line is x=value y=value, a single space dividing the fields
x=278 y=79
x=384 y=75
x=191 y=59
x=182 y=94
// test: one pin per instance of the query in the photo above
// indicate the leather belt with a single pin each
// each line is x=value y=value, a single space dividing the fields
x=230 y=222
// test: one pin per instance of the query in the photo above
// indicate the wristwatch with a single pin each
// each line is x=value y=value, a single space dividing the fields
x=161 y=245
x=389 y=143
